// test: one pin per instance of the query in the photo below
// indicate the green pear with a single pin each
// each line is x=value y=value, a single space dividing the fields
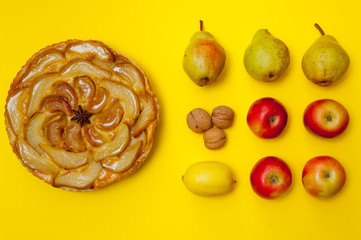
x=325 y=62
x=204 y=58
x=267 y=57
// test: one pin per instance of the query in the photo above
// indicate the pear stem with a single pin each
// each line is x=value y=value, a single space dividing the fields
x=319 y=29
x=201 y=24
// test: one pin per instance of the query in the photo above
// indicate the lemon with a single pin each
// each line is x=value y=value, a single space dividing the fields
x=208 y=178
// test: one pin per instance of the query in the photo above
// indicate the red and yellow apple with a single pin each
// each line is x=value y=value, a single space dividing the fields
x=271 y=178
x=326 y=118
x=267 y=118
x=323 y=176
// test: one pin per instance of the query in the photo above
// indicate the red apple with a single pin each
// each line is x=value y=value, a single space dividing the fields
x=326 y=118
x=267 y=118
x=323 y=176
x=271 y=177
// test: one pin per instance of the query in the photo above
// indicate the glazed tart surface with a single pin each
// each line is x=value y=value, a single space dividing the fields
x=80 y=115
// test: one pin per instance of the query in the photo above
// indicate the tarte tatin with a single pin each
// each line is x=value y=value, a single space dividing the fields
x=80 y=115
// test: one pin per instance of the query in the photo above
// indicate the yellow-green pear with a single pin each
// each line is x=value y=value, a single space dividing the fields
x=204 y=58
x=267 y=57
x=325 y=62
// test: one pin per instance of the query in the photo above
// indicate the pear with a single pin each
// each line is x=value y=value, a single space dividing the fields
x=204 y=58
x=267 y=57
x=325 y=62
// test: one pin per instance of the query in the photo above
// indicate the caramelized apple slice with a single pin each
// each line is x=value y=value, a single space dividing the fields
x=73 y=138
x=41 y=65
x=79 y=68
x=99 y=101
x=148 y=114
x=64 y=90
x=149 y=133
x=10 y=131
x=54 y=104
x=32 y=159
x=67 y=159
x=125 y=160
x=39 y=91
x=85 y=88
x=133 y=75
x=115 y=146
x=89 y=49
x=79 y=178
x=106 y=65
x=92 y=136
x=15 y=109
x=128 y=99
x=105 y=177
x=55 y=130
x=142 y=137
x=34 y=132
x=110 y=118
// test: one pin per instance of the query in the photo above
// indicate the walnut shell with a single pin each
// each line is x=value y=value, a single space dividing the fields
x=199 y=120
x=214 y=138
x=222 y=117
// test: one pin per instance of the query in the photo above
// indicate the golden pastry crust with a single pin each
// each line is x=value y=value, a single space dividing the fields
x=80 y=115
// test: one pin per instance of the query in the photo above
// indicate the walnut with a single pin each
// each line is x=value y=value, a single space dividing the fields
x=222 y=117
x=199 y=120
x=214 y=138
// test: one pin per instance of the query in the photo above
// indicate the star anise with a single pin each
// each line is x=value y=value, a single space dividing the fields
x=81 y=116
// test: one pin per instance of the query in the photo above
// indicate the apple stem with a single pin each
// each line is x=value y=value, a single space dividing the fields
x=272 y=120
x=329 y=118
x=327 y=175
x=201 y=24
x=319 y=29
x=274 y=179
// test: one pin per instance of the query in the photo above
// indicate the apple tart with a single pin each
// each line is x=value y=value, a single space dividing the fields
x=80 y=115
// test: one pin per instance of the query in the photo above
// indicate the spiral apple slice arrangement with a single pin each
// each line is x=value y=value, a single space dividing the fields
x=81 y=116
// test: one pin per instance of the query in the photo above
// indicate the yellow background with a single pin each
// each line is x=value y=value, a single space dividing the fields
x=153 y=203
